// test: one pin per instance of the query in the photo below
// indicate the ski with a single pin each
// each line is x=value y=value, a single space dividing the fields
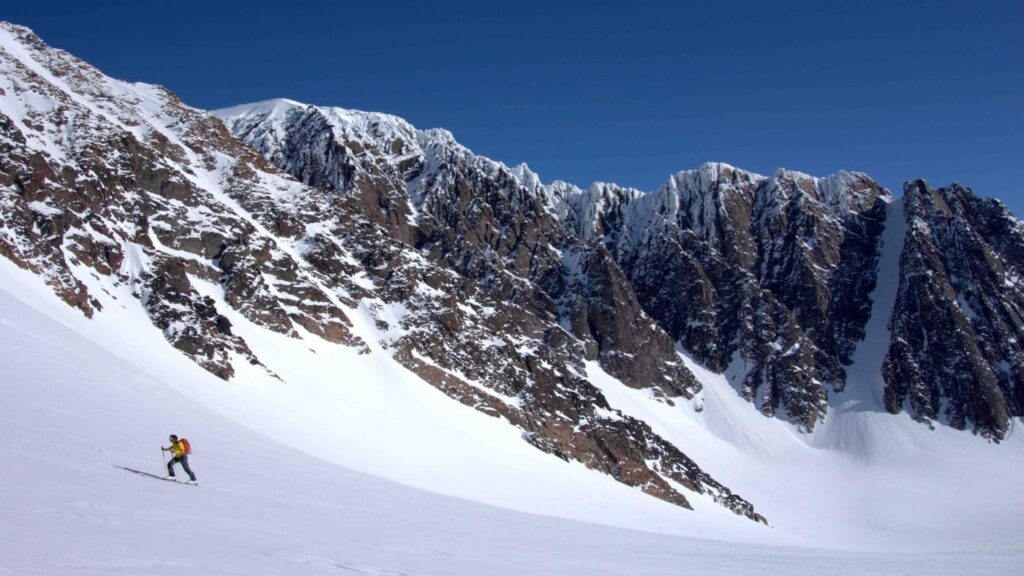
x=156 y=477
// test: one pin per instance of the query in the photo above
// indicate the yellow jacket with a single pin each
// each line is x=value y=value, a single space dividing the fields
x=177 y=449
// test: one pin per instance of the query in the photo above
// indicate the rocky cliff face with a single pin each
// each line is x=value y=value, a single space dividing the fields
x=121 y=182
x=457 y=263
x=955 y=354
x=494 y=226
x=766 y=277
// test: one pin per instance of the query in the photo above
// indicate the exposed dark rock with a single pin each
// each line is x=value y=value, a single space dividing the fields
x=767 y=277
x=132 y=202
x=957 y=325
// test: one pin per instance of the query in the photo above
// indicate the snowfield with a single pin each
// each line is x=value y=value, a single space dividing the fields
x=349 y=464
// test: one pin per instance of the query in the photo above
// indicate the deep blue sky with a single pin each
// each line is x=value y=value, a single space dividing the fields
x=627 y=92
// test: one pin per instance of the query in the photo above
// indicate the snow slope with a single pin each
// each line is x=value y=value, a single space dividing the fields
x=76 y=413
x=85 y=400
x=370 y=414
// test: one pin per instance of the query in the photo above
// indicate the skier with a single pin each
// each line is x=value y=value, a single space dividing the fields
x=180 y=449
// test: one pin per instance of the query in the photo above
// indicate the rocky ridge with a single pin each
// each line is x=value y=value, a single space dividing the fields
x=766 y=278
x=955 y=354
x=491 y=224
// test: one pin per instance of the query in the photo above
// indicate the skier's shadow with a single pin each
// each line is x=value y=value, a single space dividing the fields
x=140 y=472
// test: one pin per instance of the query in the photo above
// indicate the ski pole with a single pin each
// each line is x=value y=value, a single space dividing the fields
x=164 y=458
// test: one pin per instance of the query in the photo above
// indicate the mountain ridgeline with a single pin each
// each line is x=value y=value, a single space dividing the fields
x=769 y=279
x=498 y=289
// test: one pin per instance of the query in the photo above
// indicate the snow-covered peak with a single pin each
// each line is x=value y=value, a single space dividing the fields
x=691 y=199
x=839 y=192
x=279 y=108
x=706 y=199
x=582 y=210
x=270 y=107
x=701 y=192
x=61 y=105
x=527 y=178
x=265 y=125
x=710 y=174
x=851 y=190
x=418 y=164
x=694 y=199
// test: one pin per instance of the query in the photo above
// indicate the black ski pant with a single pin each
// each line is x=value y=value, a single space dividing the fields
x=184 y=466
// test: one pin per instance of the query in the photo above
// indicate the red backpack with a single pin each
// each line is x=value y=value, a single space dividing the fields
x=186 y=446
